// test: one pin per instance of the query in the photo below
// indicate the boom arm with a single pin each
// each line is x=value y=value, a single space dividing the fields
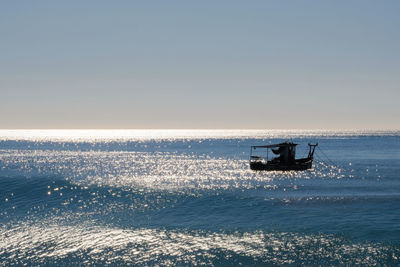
x=312 y=149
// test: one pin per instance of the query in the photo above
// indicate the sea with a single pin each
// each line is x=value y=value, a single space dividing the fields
x=189 y=198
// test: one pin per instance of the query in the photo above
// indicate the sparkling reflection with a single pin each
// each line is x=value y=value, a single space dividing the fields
x=93 y=244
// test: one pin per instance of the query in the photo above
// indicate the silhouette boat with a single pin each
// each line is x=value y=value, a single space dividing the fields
x=283 y=157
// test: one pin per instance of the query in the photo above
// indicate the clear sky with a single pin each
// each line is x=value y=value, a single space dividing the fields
x=200 y=64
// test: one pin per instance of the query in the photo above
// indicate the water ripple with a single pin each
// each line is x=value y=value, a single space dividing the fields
x=91 y=244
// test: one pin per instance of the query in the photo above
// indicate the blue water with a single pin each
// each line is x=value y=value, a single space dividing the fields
x=185 y=198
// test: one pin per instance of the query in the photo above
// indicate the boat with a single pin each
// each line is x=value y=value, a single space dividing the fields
x=283 y=157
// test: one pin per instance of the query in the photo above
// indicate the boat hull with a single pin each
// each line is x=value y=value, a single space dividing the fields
x=298 y=165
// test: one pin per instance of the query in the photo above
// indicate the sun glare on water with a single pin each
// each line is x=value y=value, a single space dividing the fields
x=81 y=135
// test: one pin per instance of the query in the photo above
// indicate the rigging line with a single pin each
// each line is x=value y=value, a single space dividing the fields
x=326 y=159
x=324 y=163
x=321 y=160
x=326 y=156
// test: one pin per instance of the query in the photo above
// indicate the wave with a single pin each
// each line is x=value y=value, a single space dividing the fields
x=54 y=243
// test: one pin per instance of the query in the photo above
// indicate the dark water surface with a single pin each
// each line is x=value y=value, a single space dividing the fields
x=179 y=198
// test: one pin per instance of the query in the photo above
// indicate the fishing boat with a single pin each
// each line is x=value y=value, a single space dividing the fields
x=283 y=157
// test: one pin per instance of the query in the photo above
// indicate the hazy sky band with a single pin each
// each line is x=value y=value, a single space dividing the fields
x=205 y=64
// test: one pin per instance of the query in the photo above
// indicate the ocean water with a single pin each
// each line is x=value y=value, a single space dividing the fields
x=188 y=198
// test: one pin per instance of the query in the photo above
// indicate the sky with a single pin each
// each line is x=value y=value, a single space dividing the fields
x=200 y=64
